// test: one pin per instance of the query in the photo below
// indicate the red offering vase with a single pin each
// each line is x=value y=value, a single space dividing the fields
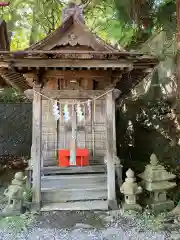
x=82 y=157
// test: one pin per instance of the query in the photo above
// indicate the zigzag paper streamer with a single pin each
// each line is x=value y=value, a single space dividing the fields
x=89 y=108
x=66 y=113
x=56 y=111
x=79 y=112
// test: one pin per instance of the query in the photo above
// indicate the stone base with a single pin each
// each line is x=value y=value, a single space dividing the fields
x=135 y=207
x=35 y=207
x=161 y=206
x=8 y=213
x=112 y=205
x=176 y=210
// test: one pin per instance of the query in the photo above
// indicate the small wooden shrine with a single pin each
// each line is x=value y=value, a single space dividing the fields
x=74 y=78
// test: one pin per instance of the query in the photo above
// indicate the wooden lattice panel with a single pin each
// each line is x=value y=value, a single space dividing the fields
x=91 y=132
x=49 y=134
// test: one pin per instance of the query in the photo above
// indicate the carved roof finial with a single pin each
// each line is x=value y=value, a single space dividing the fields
x=130 y=173
x=74 y=9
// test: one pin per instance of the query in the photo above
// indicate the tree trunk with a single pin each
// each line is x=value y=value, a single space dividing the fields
x=177 y=107
x=32 y=39
x=176 y=210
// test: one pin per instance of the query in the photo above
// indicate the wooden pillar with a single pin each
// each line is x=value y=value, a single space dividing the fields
x=74 y=137
x=110 y=152
x=36 y=149
x=117 y=162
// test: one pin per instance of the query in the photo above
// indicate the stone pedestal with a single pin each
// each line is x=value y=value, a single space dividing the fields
x=135 y=207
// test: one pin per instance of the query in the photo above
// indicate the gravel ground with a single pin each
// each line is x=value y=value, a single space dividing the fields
x=66 y=225
x=79 y=225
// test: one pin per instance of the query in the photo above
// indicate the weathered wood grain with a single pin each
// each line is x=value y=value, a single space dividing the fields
x=36 y=149
x=110 y=150
x=67 y=195
x=68 y=63
x=72 y=170
x=49 y=135
x=67 y=94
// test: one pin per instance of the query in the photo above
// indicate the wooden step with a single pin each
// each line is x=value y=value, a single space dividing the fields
x=73 y=181
x=72 y=170
x=45 y=185
x=75 y=206
x=75 y=176
x=65 y=195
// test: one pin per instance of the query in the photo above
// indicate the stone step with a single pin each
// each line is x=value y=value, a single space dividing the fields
x=65 y=195
x=76 y=206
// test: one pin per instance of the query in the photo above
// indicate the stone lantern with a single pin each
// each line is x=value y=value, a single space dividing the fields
x=15 y=195
x=155 y=179
x=130 y=189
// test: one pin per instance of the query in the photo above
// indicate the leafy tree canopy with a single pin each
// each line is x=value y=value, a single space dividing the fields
x=127 y=22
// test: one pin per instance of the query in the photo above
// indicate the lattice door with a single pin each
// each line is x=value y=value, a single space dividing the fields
x=91 y=132
x=49 y=135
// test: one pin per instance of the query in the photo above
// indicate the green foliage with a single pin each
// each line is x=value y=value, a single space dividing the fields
x=152 y=221
x=148 y=220
x=28 y=194
x=16 y=224
x=166 y=17
x=126 y=22
x=10 y=95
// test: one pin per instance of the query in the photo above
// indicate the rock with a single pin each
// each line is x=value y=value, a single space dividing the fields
x=176 y=210
x=98 y=212
x=82 y=225
x=109 y=219
x=114 y=234
x=175 y=236
x=115 y=213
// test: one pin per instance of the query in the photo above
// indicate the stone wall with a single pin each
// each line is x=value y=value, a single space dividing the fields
x=15 y=128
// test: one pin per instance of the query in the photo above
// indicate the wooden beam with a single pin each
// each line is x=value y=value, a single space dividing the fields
x=66 y=94
x=79 y=74
x=69 y=63
x=36 y=150
x=110 y=152
x=6 y=78
x=14 y=79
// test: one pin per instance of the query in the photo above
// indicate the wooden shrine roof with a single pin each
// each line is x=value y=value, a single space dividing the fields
x=72 y=32
x=74 y=46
